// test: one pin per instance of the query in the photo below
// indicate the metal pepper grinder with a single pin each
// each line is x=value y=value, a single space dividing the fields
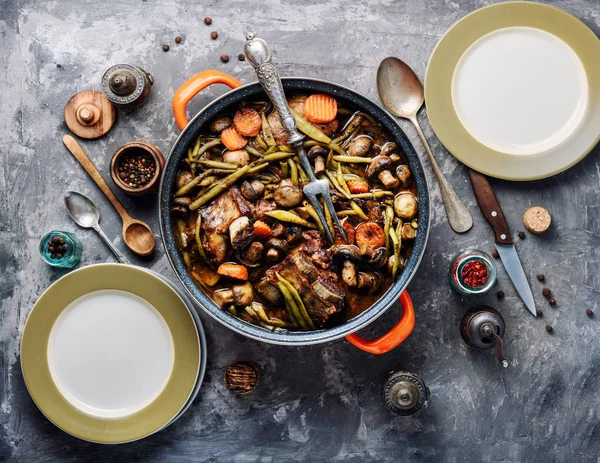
x=483 y=328
x=127 y=86
x=404 y=393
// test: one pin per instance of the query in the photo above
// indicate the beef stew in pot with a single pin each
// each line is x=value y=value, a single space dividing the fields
x=254 y=244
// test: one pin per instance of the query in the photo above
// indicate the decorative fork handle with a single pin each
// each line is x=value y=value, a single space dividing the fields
x=259 y=55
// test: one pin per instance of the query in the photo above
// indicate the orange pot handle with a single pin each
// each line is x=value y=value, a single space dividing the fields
x=392 y=338
x=193 y=86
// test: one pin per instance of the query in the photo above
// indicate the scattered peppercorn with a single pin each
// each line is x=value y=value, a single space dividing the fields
x=178 y=39
x=540 y=313
x=242 y=377
x=207 y=21
x=500 y=294
x=59 y=66
x=166 y=47
x=589 y=313
x=549 y=329
x=495 y=254
x=214 y=35
x=521 y=235
x=57 y=247
x=541 y=277
x=241 y=57
x=224 y=57
x=546 y=292
x=552 y=301
x=136 y=169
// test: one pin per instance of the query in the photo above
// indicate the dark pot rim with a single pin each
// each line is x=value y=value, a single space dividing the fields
x=292 y=84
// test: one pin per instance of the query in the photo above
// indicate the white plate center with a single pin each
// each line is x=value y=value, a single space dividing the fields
x=110 y=353
x=520 y=90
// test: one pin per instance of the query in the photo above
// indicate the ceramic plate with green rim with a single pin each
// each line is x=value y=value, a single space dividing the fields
x=513 y=90
x=110 y=353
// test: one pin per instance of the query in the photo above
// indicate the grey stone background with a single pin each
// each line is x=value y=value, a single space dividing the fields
x=319 y=403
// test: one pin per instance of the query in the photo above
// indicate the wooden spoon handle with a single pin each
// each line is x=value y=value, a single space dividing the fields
x=77 y=151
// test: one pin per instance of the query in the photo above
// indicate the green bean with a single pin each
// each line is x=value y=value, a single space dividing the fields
x=356 y=209
x=373 y=194
x=308 y=129
x=267 y=132
x=231 y=309
x=350 y=127
x=185 y=189
x=254 y=151
x=301 y=173
x=219 y=188
x=389 y=217
x=352 y=177
x=330 y=163
x=334 y=146
x=311 y=211
x=336 y=185
x=299 y=304
x=261 y=142
x=285 y=149
x=198 y=240
x=414 y=223
x=210 y=180
x=271 y=149
x=345 y=213
x=260 y=311
x=217 y=165
x=345 y=111
x=194 y=152
x=293 y=172
x=341 y=180
x=258 y=167
x=250 y=311
x=289 y=217
x=276 y=156
x=204 y=147
x=396 y=240
x=352 y=159
x=289 y=303
x=328 y=218
x=187 y=259
x=285 y=169
x=351 y=138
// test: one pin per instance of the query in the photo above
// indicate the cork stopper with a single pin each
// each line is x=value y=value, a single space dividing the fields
x=242 y=377
x=89 y=114
x=537 y=220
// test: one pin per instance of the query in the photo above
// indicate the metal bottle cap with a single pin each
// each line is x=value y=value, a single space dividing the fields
x=404 y=393
x=126 y=85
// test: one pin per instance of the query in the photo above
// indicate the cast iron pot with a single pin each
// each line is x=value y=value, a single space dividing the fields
x=224 y=104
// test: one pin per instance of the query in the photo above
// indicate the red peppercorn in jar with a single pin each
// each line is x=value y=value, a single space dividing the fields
x=472 y=272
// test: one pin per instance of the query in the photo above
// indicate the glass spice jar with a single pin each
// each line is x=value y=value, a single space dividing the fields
x=472 y=272
x=61 y=249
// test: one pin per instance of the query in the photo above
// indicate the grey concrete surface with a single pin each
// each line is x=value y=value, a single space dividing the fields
x=318 y=403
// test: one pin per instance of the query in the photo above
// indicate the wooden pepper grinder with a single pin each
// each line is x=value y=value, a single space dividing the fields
x=127 y=86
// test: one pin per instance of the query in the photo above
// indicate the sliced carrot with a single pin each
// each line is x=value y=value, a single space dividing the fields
x=232 y=140
x=349 y=230
x=369 y=236
x=320 y=108
x=358 y=186
x=239 y=272
x=248 y=122
x=262 y=230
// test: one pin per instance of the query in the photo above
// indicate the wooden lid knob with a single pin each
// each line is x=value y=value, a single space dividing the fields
x=89 y=114
x=537 y=220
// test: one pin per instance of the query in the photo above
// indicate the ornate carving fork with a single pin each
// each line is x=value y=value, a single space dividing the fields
x=259 y=56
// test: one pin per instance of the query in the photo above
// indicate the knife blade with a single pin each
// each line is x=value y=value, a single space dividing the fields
x=504 y=244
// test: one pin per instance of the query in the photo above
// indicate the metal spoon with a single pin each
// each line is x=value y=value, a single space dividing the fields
x=85 y=214
x=401 y=92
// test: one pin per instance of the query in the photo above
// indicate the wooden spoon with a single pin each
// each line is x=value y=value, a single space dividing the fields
x=137 y=234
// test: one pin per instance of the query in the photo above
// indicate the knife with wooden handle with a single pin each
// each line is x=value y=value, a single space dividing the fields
x=504 y=244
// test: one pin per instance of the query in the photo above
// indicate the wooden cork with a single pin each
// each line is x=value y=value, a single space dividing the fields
x=242 y=377
x=537 y=220
x=90 y=114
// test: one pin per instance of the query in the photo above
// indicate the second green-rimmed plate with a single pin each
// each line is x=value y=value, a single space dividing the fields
x=513 y=90
x=110 y=353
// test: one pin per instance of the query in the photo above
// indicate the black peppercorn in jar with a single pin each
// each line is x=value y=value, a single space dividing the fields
x=61 y=249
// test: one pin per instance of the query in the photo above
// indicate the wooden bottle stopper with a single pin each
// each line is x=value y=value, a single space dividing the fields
x=537 y=220
x=89 y=114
